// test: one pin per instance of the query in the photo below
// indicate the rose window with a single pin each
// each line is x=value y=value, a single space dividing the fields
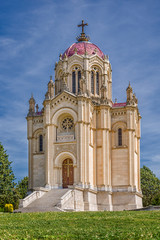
x=67 y=124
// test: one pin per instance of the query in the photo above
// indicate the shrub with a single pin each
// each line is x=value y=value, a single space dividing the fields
x=8 y=208
x=12 y=198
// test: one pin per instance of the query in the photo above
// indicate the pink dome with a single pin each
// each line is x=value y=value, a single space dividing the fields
x=82 y=47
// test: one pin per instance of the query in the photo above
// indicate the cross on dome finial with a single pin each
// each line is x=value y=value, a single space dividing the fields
x=83 y=36
x=83 y=25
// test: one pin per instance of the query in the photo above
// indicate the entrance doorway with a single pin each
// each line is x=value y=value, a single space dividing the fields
x=67 y=172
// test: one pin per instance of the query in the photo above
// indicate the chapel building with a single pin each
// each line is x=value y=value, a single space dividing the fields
x=81 y=140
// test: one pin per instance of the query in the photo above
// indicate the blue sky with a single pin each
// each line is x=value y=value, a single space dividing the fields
x=34 y=32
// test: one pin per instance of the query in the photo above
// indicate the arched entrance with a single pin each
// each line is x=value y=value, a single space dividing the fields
x=67 y=172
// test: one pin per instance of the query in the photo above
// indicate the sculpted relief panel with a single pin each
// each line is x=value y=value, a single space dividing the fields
x=66 y=148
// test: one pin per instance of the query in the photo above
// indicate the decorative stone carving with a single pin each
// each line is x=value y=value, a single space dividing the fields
x=66 y=148
x=65 y=138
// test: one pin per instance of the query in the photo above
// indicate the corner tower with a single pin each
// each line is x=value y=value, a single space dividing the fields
x=81 y=139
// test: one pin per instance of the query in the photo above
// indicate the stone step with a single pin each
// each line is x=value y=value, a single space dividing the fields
x=47 y=203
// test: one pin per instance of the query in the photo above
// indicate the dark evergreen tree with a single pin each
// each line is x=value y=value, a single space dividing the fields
x=22 y=187
x=8 y=192
x=150 y=186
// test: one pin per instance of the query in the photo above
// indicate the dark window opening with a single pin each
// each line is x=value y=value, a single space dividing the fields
x=92 y=82
x=73 y=82
x=119 y=137
x=41 y=143
x=97 y=83
x=79 y=78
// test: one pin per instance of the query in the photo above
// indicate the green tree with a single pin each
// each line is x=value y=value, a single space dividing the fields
x=150 y=186
x=8 y=193
x=22 y=187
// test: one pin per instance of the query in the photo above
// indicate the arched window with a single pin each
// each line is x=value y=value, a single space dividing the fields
x=79 y=78
x=40 y=143
x=74 y=82
x=120 y=137
x=97 y=83
x=92 y=82
x=76 y=77
x=95 y=80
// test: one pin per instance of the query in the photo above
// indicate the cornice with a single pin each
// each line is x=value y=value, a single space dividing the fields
x=62 y=143
x=84 y=122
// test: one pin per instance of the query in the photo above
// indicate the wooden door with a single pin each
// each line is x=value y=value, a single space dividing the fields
x=67 y=172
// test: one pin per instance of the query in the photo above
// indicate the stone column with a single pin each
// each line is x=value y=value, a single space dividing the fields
x=80 y=141
x=86 y=69
x=47 y=165
x=138 y=151
x=81 y=158
x=47 y=144
x=30 y=164
x=30 y=151
x=130 y=147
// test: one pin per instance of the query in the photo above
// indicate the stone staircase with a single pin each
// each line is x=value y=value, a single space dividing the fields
x=47 y=203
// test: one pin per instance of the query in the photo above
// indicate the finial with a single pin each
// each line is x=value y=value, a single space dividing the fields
x=50 y=77
x=115 y=100
x=82 y=25
x=106 y=57
x=60 y=56
x=129 y=87
x=83 y=36
x=86 y=53
x=32 y=98
x=37 y=108
x=75 y=50
x=65 y=57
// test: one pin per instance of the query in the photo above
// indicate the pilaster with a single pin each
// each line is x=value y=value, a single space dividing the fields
x=47 y=143
x=30 y=151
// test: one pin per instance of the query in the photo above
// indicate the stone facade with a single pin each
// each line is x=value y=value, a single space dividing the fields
x=80 y=122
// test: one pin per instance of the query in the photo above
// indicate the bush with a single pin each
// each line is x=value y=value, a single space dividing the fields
x=8 y=208
x=12 y=198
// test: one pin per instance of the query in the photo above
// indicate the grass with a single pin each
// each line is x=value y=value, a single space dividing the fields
x=81 y=225
x=1 y=209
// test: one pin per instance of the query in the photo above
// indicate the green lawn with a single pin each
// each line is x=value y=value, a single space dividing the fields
x=81 y=225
